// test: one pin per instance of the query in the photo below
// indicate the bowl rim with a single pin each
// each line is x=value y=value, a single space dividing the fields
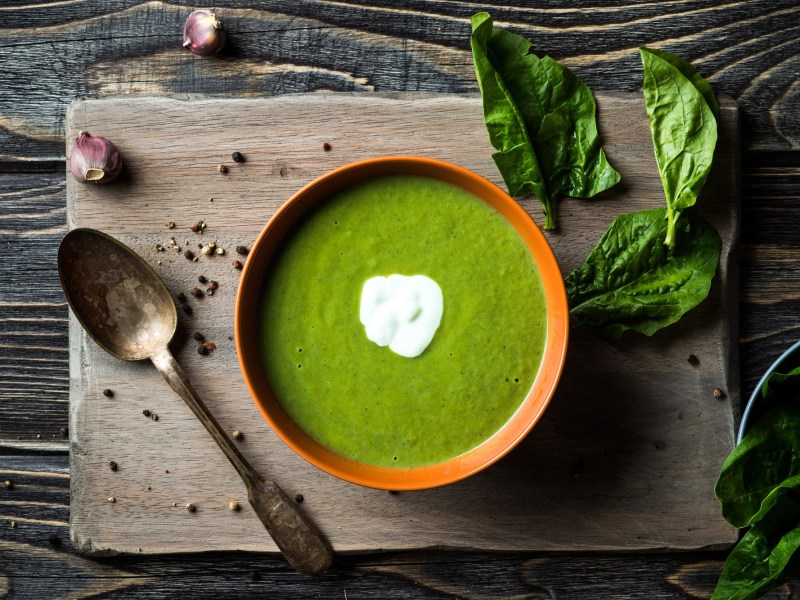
x=755 y=397
x=532 y=406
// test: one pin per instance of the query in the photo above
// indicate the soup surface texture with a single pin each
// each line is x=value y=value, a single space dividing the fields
x=364 y=401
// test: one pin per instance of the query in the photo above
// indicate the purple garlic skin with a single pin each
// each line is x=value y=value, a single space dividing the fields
x=94 y=159
x=203 y=33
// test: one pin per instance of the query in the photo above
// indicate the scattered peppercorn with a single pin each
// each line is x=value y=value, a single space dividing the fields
x=718 y=394
x=8 y=484
x=189 y=254
x=63 y=431
x=299 y=498
x=146 y=412
x=112 y=465
x=693 y=360
x=38 y=436
x=202 y=351
x=234 y=505
x=108 y=393
x=212 y=285
x=54 y=540
x=187 y=309
x=242 y=250
x=153 y=417
x=393 y=492
x=222 y=169
x=237 y=264
x=198 y=336
x=181 y=297
x=191 y=507
x=202 y=279
x=112 y=499
x=237 y=435
x=220 y=250
x=13 y=524
x=174 y=504
x=237 y=157
x=210 y=292
x=170 y=224
x=326 y=146
x=197 y=292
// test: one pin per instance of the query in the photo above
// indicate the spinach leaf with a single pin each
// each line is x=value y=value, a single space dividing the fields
x=631 y=280
x=767 y=554
x=684 y=129
x=540 y=118
x=766 y=461
x=781 y=385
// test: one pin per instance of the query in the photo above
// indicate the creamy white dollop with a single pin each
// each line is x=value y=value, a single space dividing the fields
x=402 y=312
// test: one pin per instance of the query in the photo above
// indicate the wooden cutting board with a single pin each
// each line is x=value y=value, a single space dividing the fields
x=625 y=458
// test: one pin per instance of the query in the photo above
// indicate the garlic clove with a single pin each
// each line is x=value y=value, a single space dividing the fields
x=94 y=158
x=203 y=33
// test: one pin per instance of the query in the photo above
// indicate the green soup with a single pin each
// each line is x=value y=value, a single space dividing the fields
x=363 y=401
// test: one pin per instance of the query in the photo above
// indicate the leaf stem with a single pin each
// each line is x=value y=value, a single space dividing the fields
x=549 y=214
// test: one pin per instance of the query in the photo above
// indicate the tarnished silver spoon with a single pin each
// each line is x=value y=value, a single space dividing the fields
x=127 y=309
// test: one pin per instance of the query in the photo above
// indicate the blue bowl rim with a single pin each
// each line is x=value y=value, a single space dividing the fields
x=756 y=395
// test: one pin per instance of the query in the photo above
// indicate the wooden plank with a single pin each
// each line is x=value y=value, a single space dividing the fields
x=37 y=562
x=625 y=458
x=748 y=50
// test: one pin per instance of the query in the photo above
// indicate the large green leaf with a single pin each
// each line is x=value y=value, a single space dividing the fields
x=767 y=554
x=540 y=118
x=684 y=129
x=767 y=458
x=631 y=280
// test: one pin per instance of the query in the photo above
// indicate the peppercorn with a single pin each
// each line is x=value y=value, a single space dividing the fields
x=299 y=498
x=54 y=540
x=234 y=506
x=189 y=254
x=153 y=417
x=237 y=435
x=191 y=507
x=202 y=350
x=222 y=169
x=242 y=250
x=108 y=393
x=112 y=465
x=112 y=499
x=326 y=146
x=198 y=336
x=237 y=157
x=146 y=412
x=718 y=394
x=170 y=224
x=63 y=431
x=202 y=279
x=212 y=285
x=187 y=309
x=237 y=264
x=8 y=484
x=197 y=292
x=181 y=297
x=693 y=360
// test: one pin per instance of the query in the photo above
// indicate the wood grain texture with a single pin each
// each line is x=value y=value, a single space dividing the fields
x=68 y=50
x=36 y=561
x=633 y=439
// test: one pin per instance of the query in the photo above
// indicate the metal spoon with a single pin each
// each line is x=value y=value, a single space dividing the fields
x=128 y=310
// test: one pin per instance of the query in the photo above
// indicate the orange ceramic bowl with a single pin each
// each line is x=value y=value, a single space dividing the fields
x=248 y=346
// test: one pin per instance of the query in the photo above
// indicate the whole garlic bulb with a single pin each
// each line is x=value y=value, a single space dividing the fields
x=94 y=159
x=203 y=33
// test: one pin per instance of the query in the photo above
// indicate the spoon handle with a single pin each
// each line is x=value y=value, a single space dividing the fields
x=297 y=537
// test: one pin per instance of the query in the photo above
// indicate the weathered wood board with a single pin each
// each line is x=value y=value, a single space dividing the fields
x=625 y=457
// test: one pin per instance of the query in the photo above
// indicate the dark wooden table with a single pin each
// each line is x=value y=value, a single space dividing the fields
x=54 y=52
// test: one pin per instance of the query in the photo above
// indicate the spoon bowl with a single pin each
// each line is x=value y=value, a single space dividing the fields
x=125 y=307
x=119 y=299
